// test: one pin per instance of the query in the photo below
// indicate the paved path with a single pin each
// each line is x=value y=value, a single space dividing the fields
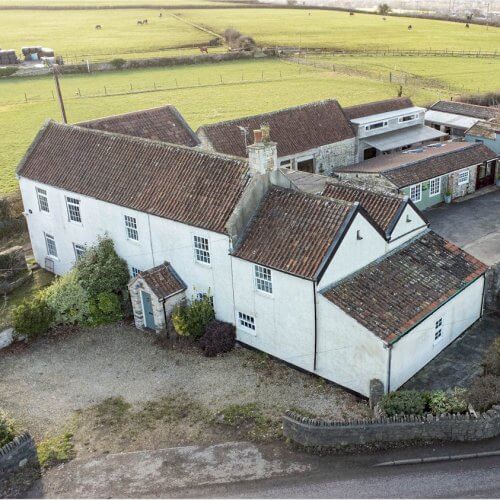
x=473 y=224
x=460 y=362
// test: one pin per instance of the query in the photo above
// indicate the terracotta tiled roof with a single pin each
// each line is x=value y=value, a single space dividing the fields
x=163 y=280
x=393 y=294
x=178 y=183
x=294 y=130
x=404 y=169
x=293 y=231
x=161 y=124
x=377 y=107
x=383 y=209
x=465 y=109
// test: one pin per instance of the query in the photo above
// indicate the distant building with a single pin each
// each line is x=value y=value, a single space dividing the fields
x=485 y=132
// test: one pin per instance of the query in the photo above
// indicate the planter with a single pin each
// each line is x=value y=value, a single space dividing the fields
x=447 y=198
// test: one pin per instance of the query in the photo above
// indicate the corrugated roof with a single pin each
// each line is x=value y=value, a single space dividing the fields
x=295 y=130
x=178 y=183
x=164 y=123
x=293 y=231
x=392 y=295
x=377 y=107
x=466 y=109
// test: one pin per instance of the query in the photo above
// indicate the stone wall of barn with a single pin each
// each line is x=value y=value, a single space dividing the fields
x=367 y=181
x=470 y=187
x=338 y=154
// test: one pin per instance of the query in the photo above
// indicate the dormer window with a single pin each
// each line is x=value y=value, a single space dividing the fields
x=376 y=125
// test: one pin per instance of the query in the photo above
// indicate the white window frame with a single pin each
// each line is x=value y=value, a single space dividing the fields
x=373 y=126
x=246 y=322
x=134 y=271
x=409 y=118
x=49 y=237
x=201 y=247
x=465 y=173
x=79 y=250
x=263 y=279
x=131 y=228
x=438 y=330
x=73 y=209
x=431 y=185
x=202 y=295
x=43 y=200
x=419 y=185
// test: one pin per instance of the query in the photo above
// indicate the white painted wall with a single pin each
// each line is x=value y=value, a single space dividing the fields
x=409 y=225
x=353 y=254
x=348 y=353
x=284 y=320
x=159 y=240
x=417 y=347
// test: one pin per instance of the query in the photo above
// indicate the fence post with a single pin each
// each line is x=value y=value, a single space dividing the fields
x=25 y=97
x=105 y=91
x=53 y=98
x=176 y=84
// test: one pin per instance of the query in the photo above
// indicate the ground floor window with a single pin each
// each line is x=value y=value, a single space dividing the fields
x=50 y=242
x=79 y=250
x=463 y=177
x=416 y=193
x=246 y=321
x=134 y=271
x=435 y=186
x=438 y=330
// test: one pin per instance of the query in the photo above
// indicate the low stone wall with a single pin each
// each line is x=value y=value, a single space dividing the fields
x=328 y=434
x=18 y=453
x=492 y=288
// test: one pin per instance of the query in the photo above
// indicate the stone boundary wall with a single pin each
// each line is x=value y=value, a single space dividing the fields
x=14 y=454
x=310 y=432
x=492 y=288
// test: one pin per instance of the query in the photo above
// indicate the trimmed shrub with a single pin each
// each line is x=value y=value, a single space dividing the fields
x=33 y=317
x=101 y=270
x=484 y=393
x=439 y=402
x=191 y=320
x=68 y=300
x=7 y=429
x=105 y=308
x=7 y=71
x=219 y=338
x=118 y=63
x=403 y=403
x=492 y=359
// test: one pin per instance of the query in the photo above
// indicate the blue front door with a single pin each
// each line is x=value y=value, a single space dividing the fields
x=149 y=319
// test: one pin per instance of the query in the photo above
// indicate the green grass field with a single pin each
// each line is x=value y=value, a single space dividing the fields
x=338 y=29
x=243 y=93
x=100 y=3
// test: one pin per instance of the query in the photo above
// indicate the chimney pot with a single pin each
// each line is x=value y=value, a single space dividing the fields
x=257 y=136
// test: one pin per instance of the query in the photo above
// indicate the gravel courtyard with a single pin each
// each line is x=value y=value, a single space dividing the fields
x=43 y=384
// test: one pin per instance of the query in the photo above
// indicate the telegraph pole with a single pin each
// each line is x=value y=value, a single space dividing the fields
x=55 y=72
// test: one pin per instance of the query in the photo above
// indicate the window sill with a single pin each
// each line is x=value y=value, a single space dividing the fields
x=203 y=264
x=247 y=331
x=264 y=294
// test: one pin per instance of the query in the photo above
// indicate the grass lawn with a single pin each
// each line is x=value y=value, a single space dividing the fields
x=339 y=29
x=114 y=3
x=206 y=103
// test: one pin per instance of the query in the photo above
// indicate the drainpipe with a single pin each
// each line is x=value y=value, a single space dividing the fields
x=389 y=360
x=165 y=316
x=315 y=327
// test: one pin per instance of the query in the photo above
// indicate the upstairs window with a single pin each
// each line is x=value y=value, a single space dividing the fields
x=246 y=321
x=73 y=206
x=263 y=279
x=463 y=177
x=407 y=118
x=416 y=193
x=50 y=242
x=131 y=228
x=43 y=200
x=201 y=249
x=79 y=250
x=438 y=330
x=374 y=126
x=435 y=186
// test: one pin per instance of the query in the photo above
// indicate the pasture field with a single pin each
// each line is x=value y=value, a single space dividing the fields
x=106 y=3
x=340 y=30
x=249 y=87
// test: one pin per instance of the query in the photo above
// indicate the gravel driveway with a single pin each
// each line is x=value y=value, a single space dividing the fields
x=43 y=384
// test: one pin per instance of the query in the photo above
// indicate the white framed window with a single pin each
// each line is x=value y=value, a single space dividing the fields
x=376 y=125
x=463 y=177
x=246 y=321
x=73 y=206
x=416 y=193
x=286 y=163
x=202 y=295
x=201 y=249
x=50 y=242
x=131 y=228
x=134 y=271
x=407 y=118
x=435 y=186
x=438 y=330
x=263 y=279
x=43 y=200
x=79 y=250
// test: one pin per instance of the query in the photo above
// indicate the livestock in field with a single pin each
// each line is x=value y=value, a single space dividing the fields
x=98 y=27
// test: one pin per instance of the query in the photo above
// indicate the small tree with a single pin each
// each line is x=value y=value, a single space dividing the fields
x=118 y=63
x=383 y=9
x=33 y=317
x=101 y=270
x=191 y=320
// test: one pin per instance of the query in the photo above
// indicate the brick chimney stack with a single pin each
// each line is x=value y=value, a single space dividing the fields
x=262 y=154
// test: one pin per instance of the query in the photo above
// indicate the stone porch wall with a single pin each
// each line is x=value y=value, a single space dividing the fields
x=458 y=191
x=17 y=453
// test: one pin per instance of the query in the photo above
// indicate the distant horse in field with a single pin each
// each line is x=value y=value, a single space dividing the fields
x=144 y=21
x=467 y=25
x=204 y=50
x=161 y=15
x=384 y=19
x=410 y=27
x=139 y=22
x=98 y=27
x=351 y=13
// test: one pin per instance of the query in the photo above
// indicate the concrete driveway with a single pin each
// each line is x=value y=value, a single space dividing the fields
x=473 y=225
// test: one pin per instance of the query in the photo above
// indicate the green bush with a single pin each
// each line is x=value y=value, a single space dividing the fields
x=7 y=429
x=192 y=320
x=492 y=359
x=118 y=63
x=7 y=71
x=484 y=393
x=439 y=402
x=33 y=317
x=68 y=300
x=101 y=270
x=404 y=403
x=105 y=308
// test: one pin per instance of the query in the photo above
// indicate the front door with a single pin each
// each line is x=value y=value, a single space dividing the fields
x=485 y=175
x=147 y=307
